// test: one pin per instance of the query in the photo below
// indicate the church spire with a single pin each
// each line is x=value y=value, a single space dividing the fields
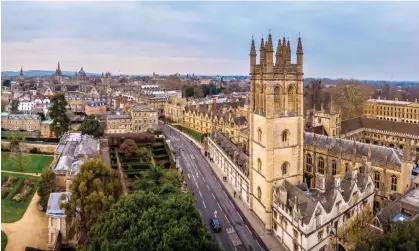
x=278 y=53
x=21 y=71
x=262 y=52
x=252 y=48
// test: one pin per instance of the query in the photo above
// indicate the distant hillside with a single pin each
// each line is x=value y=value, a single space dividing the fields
x=41 y=73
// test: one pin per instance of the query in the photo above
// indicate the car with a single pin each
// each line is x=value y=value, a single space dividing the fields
x=215 y=224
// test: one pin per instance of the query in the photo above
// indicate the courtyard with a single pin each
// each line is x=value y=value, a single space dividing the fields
x=35 y=163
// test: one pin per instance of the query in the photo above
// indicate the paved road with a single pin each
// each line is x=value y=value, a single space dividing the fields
x=210 y=196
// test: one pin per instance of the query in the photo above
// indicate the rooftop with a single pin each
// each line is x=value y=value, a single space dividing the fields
x=389 y=102
x=138 y=108
x=54 y=201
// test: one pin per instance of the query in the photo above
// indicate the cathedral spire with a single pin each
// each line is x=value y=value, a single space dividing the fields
x=262 y=52
x=252 y=48
x=21 y=71
x=278 y=53
x=299 y=46
x=269 y=46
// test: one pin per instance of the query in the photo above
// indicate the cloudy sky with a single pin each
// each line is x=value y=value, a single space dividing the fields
x=376 y=40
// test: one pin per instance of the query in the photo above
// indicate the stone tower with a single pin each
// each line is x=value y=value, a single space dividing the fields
x=21 y=77
x=276 y=123
x=58 y=73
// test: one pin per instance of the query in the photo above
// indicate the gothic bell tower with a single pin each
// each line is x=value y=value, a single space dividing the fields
x=276 y=123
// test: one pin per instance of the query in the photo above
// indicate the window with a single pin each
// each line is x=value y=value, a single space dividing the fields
x=347 y=167
x=377 y=179
x=308 y=162
x=323 y=248
x=334 y=167
x=259 y=165
x=285 y=136
x=259 y=193
x=321 y=165
x=393 y=183
x=284 y=168
x=259 y=135
x=320 y=235
x=291 y=98
x=277 y=99
x=361 y=169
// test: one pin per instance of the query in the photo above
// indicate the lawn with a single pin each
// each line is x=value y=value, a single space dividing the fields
x=12 y=211
x=35 y=163
x=194 y=134
x=10 y=134
x=3 y=241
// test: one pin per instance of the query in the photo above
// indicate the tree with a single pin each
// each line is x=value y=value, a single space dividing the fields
x=156 y=172
x=57 y=112
x=46 y=185
x=147 y=221
x=6 y=83
x=198 y=92
x=128 y=147
x=190 y=91
x=93 y=191
x=350 y=97
x=173 y=83
x=91 y=126
x=15 y=106
x=403 y=236
x=18 y=157
x=42 y=115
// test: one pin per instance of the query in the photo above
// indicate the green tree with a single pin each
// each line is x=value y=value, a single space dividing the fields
x=93 y=191
x=128 y=147
x=15 y=106
x=403 y=236
x=198 y=92
x=46 y=185
x=57 y=112
x=18 y=157
x=190 y=92
x=147 y=221
x=91 y=126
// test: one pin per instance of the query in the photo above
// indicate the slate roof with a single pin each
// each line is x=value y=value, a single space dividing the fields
x=317 y=130
x=232 y=150
x=380 y=154
x=350 y=125
x=138 y=108
x=54 y=201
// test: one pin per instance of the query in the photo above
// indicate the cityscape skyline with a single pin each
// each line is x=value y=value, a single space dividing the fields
x=340 y=40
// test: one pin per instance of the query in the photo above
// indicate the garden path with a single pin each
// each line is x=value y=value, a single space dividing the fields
x=31 y=174
x=30 y=231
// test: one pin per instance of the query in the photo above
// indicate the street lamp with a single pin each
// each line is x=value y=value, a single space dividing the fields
x=332 y=233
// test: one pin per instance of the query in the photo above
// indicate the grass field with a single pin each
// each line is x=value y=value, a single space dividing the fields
x=35 y=163
x=10 y=134
x=194 y=134
x=3 y=241
x=12 y=211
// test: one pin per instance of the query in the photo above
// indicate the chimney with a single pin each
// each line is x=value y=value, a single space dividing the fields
x=337 y=182
x=320 y=182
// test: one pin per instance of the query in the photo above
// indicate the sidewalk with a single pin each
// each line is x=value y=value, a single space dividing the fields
x=270 y=241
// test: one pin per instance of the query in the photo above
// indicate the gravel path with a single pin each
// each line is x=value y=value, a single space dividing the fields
x=30 y=231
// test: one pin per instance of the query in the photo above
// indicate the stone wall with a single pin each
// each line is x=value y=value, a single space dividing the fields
x=45 y=148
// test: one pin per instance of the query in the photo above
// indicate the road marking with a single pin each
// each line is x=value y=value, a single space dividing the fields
x=249 y=231
x=193 y=177
x=225 y=193
x=208 y=187
x=196 y=184
x=259 y=245
x=213 y=196
x=231 y=203
x=203 y=202
x=227 y=219
x=189 y=176
x=219 y=206
x=200 y=193
x=239 y=216
x=235 y=248
x=219 y=184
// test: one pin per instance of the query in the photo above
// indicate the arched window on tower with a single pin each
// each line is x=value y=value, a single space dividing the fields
x=321 y=165
x=259 y=135
x=262 y=99
x=285 y=136
x=377 y=179
x=334 y=167
x=259 y=165
x=361 y=169
x=393 y=183
x=257 y=97
x=259 y=193
x=291 y=99
x=309 y=162
x=284 y=168
x=347 y=167
x=277 y=99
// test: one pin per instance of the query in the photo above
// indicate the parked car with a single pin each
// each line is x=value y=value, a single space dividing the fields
x=215 y=224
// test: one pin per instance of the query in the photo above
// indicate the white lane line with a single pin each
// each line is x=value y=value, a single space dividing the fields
x=208 y=187
x=213 y=196
x=225 y=193
x=220 y=207
x=249 y=231
x=200 y=193
x=196 y=184
x=227 y=219
x=239 y=216
x=203 y=202
x=259 y=245
x=235 y=248
x=219 y=184
x=189 y=176
x=193 y=177
x=231 y=203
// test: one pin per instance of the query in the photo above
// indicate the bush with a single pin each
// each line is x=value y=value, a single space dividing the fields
x=18 y=197
x=35 y=150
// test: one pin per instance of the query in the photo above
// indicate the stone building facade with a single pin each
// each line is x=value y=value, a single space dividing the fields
x=27 y=122
x=393 y=110
x=174 y=108
x=140 y=119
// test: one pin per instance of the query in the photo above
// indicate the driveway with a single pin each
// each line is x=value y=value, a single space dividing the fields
x=30 y=231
